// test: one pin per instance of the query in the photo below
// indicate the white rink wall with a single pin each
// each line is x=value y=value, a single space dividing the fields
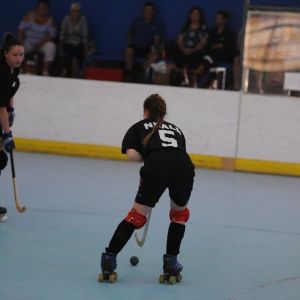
x=99 y=112
x=269 y=128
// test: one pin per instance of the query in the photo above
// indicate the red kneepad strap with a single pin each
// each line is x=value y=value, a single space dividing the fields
x=179 y=215
x=135 y=218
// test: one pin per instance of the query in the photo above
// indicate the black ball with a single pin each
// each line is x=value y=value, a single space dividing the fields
x=134 y=260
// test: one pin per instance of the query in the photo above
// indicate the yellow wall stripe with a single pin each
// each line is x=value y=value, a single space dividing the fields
x=269 y=167
x=68 y=148
x=201 y=161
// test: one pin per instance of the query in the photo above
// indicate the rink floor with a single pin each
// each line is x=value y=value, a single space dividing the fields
x=242 y=241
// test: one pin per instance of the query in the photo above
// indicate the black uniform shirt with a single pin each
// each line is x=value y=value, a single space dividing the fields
x=167 y=136
x=9 y=83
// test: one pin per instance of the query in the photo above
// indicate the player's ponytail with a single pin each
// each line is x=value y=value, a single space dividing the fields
x=9 y=41
x=156 y=106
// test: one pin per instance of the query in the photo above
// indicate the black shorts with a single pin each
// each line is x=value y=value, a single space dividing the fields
x=172 y=170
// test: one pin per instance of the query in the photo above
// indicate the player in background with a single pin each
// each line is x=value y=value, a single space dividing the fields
x=162 y=147
x=11 y=58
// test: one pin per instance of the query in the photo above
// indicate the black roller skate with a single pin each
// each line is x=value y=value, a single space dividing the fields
x=3 y=213
x=172 y=269
x=108 y=265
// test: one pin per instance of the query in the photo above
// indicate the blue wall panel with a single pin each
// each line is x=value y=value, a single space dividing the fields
x=109 y=20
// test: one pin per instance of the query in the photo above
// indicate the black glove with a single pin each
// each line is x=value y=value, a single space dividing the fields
x=8 y=141
x=11 y=115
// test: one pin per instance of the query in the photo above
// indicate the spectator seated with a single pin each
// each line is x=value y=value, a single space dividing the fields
x=33 y=63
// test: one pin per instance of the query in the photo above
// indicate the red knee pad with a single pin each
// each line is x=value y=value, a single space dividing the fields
x=135 y=218
x=179 y=215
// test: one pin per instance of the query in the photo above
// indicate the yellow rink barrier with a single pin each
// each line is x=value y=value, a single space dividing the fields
x=268 y=167
x=69 y=148
x=201 y=161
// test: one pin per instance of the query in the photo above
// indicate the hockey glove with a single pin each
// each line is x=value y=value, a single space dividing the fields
x=8 y=142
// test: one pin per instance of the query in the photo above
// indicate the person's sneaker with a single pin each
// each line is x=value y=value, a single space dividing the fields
x=3 y=213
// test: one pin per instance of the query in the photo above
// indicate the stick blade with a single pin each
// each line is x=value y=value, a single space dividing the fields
x=21 y=209
x=138 y=241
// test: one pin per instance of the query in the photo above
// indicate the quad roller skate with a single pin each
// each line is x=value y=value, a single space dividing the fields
x=172 y=269
x=3 y=213
x=108 y=265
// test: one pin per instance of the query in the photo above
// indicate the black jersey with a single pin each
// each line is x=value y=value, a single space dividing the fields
x=168 y=136
x=9 y=83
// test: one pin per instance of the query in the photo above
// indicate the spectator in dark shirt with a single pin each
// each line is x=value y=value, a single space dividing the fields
x=144 y=38
x=191 y=44
x=221 y=45
x=73 y=40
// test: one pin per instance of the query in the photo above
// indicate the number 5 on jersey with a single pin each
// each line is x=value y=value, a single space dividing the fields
x=167 y=139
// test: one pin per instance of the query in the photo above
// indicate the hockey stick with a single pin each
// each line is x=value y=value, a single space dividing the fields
x=18 y=206
x=141 y=241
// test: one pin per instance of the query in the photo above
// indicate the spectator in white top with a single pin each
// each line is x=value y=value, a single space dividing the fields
x=37 y=32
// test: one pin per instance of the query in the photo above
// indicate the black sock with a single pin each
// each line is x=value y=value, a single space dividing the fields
x=175 y=236
x=121 y=236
